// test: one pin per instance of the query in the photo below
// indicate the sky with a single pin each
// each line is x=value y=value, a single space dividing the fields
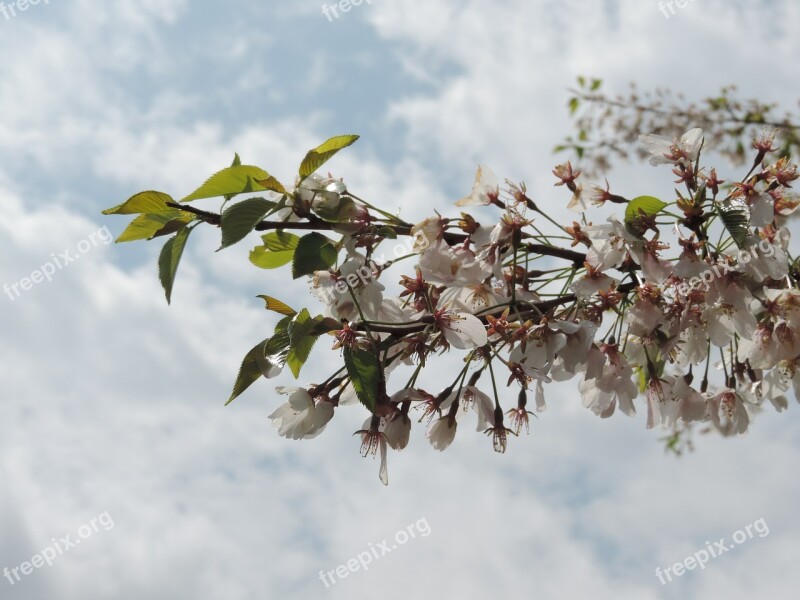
x=113 y=429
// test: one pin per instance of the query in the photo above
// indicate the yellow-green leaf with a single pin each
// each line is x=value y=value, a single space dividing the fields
x=169 y=260
x=150 y=202
x=234 y=180
x=148 y=226
x=277 y=306
x=322 y=153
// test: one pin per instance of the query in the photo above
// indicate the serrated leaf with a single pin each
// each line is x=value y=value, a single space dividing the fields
x=169 y=260
x=173 y=226
x=265 y=259
x=148 y=226
x=278 y=250
x=278 y=345
x=277 y=306
x=233 y=180
x=236 y=160
x=278 y=241
x=314 y=252
x=363 y=368
x=736 y=219
x=301 y=340
x=322 y=153
x=241 y=218
x=150 y=202
x=272 y=184
x=262 y=358
x=249 y=372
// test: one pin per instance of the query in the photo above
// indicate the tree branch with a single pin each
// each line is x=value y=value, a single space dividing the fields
x=315 y=224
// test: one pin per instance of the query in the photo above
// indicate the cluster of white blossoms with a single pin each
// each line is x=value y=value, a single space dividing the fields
x=641 y=303
x=629 y=320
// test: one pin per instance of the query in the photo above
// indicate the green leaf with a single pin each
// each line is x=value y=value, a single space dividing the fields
x=278 y=250
x=365 y=374
x=277 y=306
x=278 y=345
x=736 y=218
x=574 y=104
x=272 y=184
x=265 y=355
x=322 y=153
x=279 y=241
x=173 y=226
x=315 y=252
x=388 y=233
x=143 y=202
x=170 y=258
x=241 y=218
x=148 y=226
x=637 y=209
x=302 y=339
x=236 y=160
x=596 y=83
x=237 y=179
x=264 y=259
x=249 y=372
x=649 y=205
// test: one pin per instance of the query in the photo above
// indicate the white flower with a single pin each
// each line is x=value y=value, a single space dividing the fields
x=440 y=263
x=397 y=431
x=664 y=151
x=472 y=397
x=373 y=439
x=644 y=317
x=594 y=281
x=764 y=259
x=427 y=233
x=762 y=210
x=300 y=418
x=662 y=405
x=609 y=244
x=691 y=403
x=333 y=290
x=730 y=308
x=485 y=190
x=539 y=348
x=728 y=413
x=461 y=330
x=601 y=394
x=473 y=298
x=692 y=343
x=442 y=432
